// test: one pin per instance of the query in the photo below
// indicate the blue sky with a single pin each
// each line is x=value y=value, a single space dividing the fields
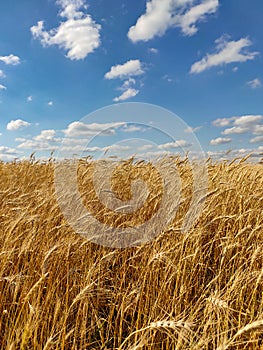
x=62 y=60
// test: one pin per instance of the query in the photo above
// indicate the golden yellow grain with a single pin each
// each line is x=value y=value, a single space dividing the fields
x=200 y=290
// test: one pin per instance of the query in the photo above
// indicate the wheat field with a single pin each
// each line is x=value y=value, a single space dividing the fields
x=198 y=290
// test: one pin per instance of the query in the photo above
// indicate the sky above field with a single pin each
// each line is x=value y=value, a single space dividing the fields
x=61 y=60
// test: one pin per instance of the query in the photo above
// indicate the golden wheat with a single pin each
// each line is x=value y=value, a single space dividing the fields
x=198 y=290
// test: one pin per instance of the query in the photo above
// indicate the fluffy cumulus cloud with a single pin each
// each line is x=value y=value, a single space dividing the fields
x=76 y=129
x=2 y=87
x=243 y=121
x=11 y=59
x=8 y=154
x=220 y=141
x=76 y=137
x=126 y=70
x=17 y=124
x=251 y=124
x=37 y=145
x=161 y=15
x=78 y=34
x=226 y=52
x=46 y=135
x=71 y=8
x=8 y=150
x=222 y=122
x=255 y=83
x=45 y=141
x=248 y=120
x=235 y=130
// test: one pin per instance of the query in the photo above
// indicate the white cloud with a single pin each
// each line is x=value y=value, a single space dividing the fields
x=156 y=20
x=2 y=87
x=45 y=141
x=255 y=83
x=8 y=154
x=2 y=74
x=241 y=151
x=30 y=98
x=123 y=71
x=17 y=124
x=126 y=71
x=161 y=15
x=247 y=120
x=191 y=130
x=82 y=149
x=7 y=150
x=50 y=103
x=258 y=129
x=11 y=59
x=176 y=144
x=127 y=84
x=38 y=145
x=46 y=135
x=70 y=8
x=241 y=124
x=167 y=78
x=74 y=141
x=132 y=128
x=145 y=147
x=79 y=148
x=220 y=141
x=226 y=52
x=222 y=122
x=256 y=139
x=235 y=130
x=216 y=154
x=129 y=93
x=195 y=14
x=244 y=120
x=116 y=148
x=81 y=129
x=79 y=34
x=153 y=50
x=155 y=154
x=234 y=153
x=20 y=139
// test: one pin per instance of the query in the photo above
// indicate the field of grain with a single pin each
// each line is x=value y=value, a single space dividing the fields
x=198 y=290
